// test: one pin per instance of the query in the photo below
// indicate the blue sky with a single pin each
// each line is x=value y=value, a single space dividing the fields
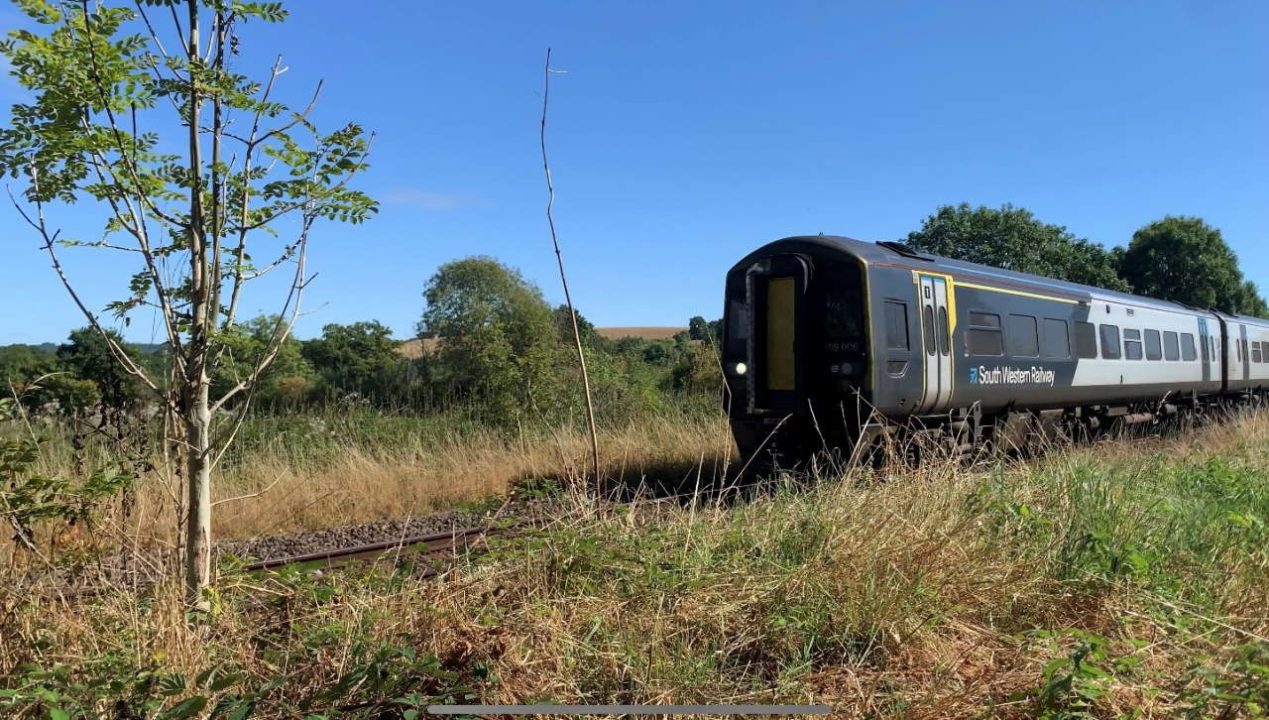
x=684 y=134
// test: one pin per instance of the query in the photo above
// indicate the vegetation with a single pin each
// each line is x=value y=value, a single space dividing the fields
x=1107 y=581
x=1186 y=260
x=1124 y=579
x=1014 y=239
x=1177 y=258
x=110 y=98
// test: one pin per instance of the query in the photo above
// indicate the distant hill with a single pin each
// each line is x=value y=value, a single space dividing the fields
x=416 y=348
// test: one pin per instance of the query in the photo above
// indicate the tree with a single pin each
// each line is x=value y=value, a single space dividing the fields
x=289 y=377
x=351 y=358
x=1012 y=238
x=1185 y=260
x=498 y=340
x=202 y=176
x=1251 y=302
x=21 y=364
x=698 y=328
x=563 y=319
x=87 y=355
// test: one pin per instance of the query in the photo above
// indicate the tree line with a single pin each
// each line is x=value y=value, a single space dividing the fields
x=1177 y=258
x=490 y=345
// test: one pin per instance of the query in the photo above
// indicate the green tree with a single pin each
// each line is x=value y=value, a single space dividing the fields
x=1251 y=302
x=1185 y=260
x=698 y=328
x=289 y=378
x=499 y=344
x=22 y=364
x=87 y=355
x=1012 y=238
x=354 y=358
x=564 y=326
x=201 y=175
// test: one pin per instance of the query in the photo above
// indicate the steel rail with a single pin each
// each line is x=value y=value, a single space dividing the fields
x=441 y=540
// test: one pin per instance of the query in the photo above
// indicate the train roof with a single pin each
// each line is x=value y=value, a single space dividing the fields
x=898 y=254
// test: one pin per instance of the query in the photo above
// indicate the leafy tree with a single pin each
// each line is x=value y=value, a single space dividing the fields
x=87 y=355
x=1251 y=302
x=698 y=328
x=289 y=377
x=499 y=343
x=585 y=328
x=1186 y=260
x=353 y=358
x=21 y=364
x=1012 y=238
x=201 y=175
x=71 y=395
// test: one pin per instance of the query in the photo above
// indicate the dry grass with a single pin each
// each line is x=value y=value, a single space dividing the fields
x=646 y=333
x=1127 y=577
x=312 y=474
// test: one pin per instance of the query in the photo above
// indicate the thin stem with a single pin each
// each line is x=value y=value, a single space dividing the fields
x=559 y=258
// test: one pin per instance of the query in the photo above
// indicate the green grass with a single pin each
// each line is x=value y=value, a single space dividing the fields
x=1124 y=579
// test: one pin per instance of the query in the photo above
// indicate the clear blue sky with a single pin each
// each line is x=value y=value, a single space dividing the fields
x=686 y=133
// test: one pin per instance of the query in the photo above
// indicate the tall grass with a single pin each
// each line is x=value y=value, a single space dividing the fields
x=290 y=472
x=1121 y=579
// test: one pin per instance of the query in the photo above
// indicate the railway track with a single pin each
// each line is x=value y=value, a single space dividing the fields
x=420 y=548
x=431 y=545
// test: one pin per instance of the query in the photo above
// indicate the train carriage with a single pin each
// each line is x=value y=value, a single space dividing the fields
x=826 y=339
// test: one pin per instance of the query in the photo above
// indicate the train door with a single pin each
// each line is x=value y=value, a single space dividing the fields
x=1243 y=354
x=936 y=342
x=779 y=288
x=1205 y=343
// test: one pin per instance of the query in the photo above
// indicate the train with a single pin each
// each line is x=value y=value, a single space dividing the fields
x=832 y=343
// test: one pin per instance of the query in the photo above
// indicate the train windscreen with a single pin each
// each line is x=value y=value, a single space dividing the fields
x=781 y=321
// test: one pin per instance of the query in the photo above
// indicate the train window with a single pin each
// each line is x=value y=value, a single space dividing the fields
x=984 y=320
x=1085 y=340
x=1055 y=340
x=1110 y=342
x=945 y=342
x=1154 y=346
x=1022 y=336
x=1132 y=344
x=1171 y=346
x=929 y=330
x=984 y=336
x=897 y=325
x=1188 y=353
x=1256 y=355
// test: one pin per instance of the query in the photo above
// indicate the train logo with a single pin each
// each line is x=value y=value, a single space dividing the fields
x=1011 y=376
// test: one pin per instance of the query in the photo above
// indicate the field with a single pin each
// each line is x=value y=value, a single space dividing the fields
x=1122 y=579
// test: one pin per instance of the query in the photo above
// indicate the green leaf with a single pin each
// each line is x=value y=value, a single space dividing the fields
x=187 y=708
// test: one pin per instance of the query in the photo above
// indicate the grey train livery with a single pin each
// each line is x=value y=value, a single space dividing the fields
x=827 y=340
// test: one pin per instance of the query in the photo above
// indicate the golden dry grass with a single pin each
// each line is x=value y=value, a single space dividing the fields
x=644 y=332
x=933 y=593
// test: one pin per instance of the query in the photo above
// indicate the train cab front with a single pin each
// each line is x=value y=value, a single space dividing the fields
x=795 y=350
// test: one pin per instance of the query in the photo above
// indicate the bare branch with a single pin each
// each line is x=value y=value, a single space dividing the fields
x=559 y=257
x=248 y=496
x=118 y=352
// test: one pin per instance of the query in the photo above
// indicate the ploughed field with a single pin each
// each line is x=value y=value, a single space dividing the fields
x=1125 y=577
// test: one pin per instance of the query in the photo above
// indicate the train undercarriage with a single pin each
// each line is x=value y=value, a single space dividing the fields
x=790 y=443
